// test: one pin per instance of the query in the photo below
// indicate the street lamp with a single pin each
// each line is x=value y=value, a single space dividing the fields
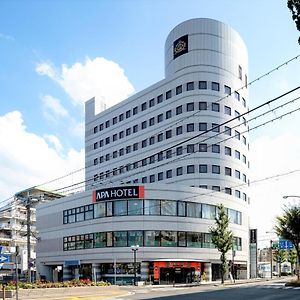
x=134 y=248
x=290 y=196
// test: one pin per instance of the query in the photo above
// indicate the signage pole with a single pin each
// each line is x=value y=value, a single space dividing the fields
x=271 y=258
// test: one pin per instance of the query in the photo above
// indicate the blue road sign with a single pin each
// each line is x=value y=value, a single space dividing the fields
x=4 y=258
x=285 y=244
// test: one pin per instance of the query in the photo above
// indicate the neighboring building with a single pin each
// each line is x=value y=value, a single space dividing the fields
x=157 y=164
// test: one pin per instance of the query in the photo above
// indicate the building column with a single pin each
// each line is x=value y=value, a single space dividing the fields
x=67 y=273
x=96 y=272
x=144 y=271
x=207 y=270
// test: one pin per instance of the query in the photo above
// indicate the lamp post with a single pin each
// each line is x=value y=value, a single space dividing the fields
x=134 y=248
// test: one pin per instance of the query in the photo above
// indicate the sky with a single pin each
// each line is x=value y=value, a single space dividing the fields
x=55 y=55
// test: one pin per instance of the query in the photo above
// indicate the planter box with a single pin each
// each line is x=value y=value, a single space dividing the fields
x=8 y=294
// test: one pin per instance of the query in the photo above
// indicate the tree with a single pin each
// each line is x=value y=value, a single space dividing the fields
x=294 y=7
x=292 y=258
x=279 y=257
x=288 y=227
x=222 y=237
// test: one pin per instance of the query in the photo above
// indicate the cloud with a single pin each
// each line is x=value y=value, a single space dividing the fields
x=28 y=159
x=273 y=156
x=99 y=77
x=7 y=37
x=53 y=109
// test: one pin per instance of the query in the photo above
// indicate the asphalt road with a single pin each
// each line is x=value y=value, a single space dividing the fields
x=271 y=291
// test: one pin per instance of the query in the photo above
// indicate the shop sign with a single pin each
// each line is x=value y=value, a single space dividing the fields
x=123 y=192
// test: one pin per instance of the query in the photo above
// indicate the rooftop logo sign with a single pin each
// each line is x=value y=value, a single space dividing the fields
x=122 y=192
x=180 y=46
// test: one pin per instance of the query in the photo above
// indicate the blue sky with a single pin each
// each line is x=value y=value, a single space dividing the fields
x=54 y=52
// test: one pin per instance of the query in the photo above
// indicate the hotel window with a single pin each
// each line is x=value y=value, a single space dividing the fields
x=101 y=126
x=121 y=117
x=215 y=148
x=190 y=148
x=135 y=146
x=179 y=110
x=100 y=240
x=227 y=110
x=202 y=85
x=178 y=89
x=120 y=238
x=244 y=178
x=190 y=86
x=121 y=152
x=169 y=154
x=178 y=130
x=169 y=114
x=244 y=159
x=101 y=159
x=227 y=130
x=228 y=191
x=179 y=171
x=151 y=121
x=135 y=128
x=144 y=162
x=244 y=102
x=202 y=105
x=237 y=95
x=237 y=114
x=190 y=169
x=115 y=120
x=115 y=137
x=215 y=169
x=181 y=208
x=202 y=147
x=160 y=118
x=244 y=140
x=96 y=161
x=120 y=208
x=216 y=188
x=169 y=174
x=135 y=110
x=202 y=168
x=144 y=143
x=152 y=159
x=152 y=238
x=107 y=157
x=135 y=165
x=101 y=143
x=128 y=131
x=190 y=127
x=208 y=211
x=107 y=140
x=151 y=140
x=227 y=151
x=159 y=99
x=237 y=193
x=237 y=154
x=107 y=123
x=99 y=209
x=95 y=129
x=246 y=80
x=135 y=237
x=168 y=134
x=194 y=239
x=190 y=106
x=144 y=106
x=193 y=210
x=203 y=186
x=144 y=124
x=179 y=150
x=215 y=107
x=237 y=135
x=160 y=156
x=168 y=94
x=240 y=73
x=144 y=179
x=215 y=127
x=95 y=146
x=237 y=174
x=168 y=239
x=128 y=114
x=160 y=137
x=227 y=171
x=227 y=90
x=215 y=86
x=244 y=197
x=115 y=154
x=202 y=126
x=181 y=239
x=152 y=178
x=121 y=134
x=151 y=102
x=160 y=176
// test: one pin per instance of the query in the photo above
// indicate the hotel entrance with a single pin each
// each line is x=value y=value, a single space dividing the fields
x=175 y=272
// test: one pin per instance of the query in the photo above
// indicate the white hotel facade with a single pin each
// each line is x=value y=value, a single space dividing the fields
x=157 y=165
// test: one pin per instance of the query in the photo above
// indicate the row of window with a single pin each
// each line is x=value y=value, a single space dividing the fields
x=147 y=207
x=143 y=238
x=159 y=118
x=202 y=85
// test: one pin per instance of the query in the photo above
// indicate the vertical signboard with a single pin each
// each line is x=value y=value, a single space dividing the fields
x=253 y=252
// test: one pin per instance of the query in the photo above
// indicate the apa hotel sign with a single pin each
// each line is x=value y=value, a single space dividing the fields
x=181 y=46
x=121 y=192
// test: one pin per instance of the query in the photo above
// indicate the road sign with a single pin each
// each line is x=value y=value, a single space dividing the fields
x=285 y=244
x=4 y=258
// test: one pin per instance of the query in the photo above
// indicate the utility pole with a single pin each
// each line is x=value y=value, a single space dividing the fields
x=28 y=213
x=271 y=258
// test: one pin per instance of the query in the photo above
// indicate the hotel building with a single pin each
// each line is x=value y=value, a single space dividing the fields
x=157 y=165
